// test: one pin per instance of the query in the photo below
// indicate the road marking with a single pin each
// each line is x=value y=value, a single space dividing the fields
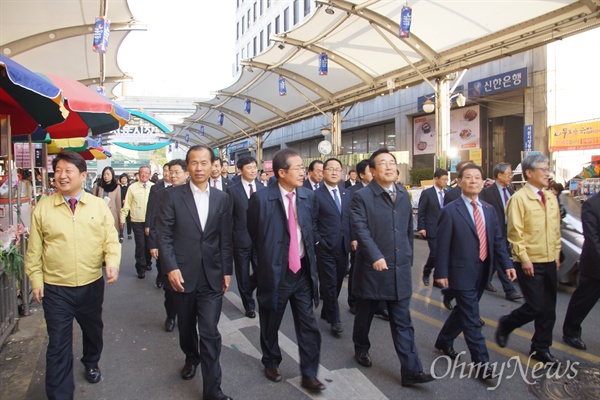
x=345 y=383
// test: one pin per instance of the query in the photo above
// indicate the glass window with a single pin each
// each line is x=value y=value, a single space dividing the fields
x=248 y=19
x=375 y=136
x=296 y=11
x=261 y=40
x=254 y=46
x=254 y=11
x=261 y=7
x=237 y=31
x=286 y=19
x=346 y=147
x=306 y=7
x=268 y=35
x=243 y=24
x=360 y=141
x=268 y=3
x=277 y=24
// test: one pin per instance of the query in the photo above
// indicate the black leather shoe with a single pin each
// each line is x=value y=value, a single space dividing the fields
x=188 y=371
x=425 y=279
x=93 y=375
x=169 y=325
x=336 y=329
x=485 y=373
x=514 y=296
x=447 y=350
x=149 y=267
x=419 y=377
x=251 y=314
x=448 y=302
x=490 y=288
x=383 y=314
x=220 y=396
x=363 y=359
x=273 y=374
x=501 y=335
x=574 y=342
x=159 y=284
x=128 y=237
x=120 y=240
x=312 y=384
x=543 y=356
x=141 y=275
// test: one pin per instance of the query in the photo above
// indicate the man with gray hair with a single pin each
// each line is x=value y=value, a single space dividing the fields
x=534 y=233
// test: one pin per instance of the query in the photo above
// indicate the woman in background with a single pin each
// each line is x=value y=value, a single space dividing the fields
x=124 y=183
x=108 y=189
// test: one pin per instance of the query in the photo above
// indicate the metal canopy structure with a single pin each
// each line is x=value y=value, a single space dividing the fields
x=367 y=58
x=56 y=38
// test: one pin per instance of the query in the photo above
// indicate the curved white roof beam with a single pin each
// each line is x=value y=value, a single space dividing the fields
x=254 y=100
x=230 y=112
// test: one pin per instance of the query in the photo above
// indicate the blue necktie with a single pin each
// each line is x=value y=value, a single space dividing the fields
x=338 y=203
x=441 y=192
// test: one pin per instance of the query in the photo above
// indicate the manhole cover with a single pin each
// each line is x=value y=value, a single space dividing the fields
x=579 y=382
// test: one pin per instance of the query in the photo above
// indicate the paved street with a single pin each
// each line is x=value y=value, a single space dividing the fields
x=142 y=361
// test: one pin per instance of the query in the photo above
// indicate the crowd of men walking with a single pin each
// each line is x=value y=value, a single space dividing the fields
x=291 y=241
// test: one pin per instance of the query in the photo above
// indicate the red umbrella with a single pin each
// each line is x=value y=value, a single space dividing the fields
x=89 y=111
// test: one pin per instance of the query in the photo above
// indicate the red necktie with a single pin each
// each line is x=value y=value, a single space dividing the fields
x=251 y=189
x=72 y=203
x=294 y=251
x=483 y=252
x=215 y=183
x=543 y=198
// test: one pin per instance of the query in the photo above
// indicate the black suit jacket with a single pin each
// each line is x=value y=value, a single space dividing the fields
x=151 y=210
x=457 y=246
x=429 y=211
x=308 y=185
x=349 y=184
x=590 y=254
x=239 y=203
x=491 y=195
x=268 y=229
x=333 y=228
x=451 y=195
x=383 y=230
x=184 y=245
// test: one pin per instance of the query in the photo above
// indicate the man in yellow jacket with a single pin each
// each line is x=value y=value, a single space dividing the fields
x=135 y=204
x=72 y=233
x=533 y=218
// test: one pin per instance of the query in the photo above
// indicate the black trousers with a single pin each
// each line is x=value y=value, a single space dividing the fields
x=128 y=223
x=332 y=266
x=198 y=313
x=540 y=304
x=507 y=285
x=583 y=299
x=142 y=252
x=61 y=305
x=430 y=263
x=169 y=302
x=244 y=258
x=403 y=333
x=295 y=289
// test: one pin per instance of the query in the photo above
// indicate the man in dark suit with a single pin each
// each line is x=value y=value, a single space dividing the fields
x=454 y=192
x=430 y=204
x=498 y=195
x=280 y=223
x=351 y=179
x=315 y=175
x=469 y=241
x=194 y=241
x=244 y=255
x=587 y=293
x=216 y=180
x=332 y=240
x=177 y=169
x=382 y=223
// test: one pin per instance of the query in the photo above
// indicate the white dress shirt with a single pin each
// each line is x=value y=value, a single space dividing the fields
x=219 y=181
x=201 y=199
x=246 y=186
x=286 y=205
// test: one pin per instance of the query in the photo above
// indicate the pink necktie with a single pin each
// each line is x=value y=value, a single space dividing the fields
x=294 y=252
x=251 y=189
x=215 y=183
x=72 y=203
x=483 y=252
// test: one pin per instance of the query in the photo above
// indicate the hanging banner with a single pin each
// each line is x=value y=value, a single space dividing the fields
x=323 y=63
x=528 y=138
x=101 y=35
x=220 y=119
x=187 y=137
x=247 y=106
x=575 y=136
x=405 y=20
x=202 y=129
x=282 y=86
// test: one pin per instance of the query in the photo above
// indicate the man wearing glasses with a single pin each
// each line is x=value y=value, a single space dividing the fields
x=534 y=233
x=332 y=240
x=382 y=223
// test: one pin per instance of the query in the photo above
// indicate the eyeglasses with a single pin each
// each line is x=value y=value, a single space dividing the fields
x=332 y=170
x=543 y=169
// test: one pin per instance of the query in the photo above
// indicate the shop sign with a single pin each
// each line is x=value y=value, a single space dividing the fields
x=575 y=136
x=237 y=147
x=475 y=156
x=498 y=83
x=528 y=138
x=268 y=165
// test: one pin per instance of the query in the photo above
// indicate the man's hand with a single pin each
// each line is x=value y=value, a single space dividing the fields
x=380 y=265
x=112 y=273
x=354 y=245
x=527 y=268
x=423 y=233
x=121 y=225
x=154 y=253
x=442 y=282
x=38 y=294
x=176 y=280
x=147 y=231
x=512 y=274
x=226 y=281
x=558 y=263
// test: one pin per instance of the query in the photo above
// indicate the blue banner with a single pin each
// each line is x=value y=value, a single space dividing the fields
x=247 y=106
x=101 y=35
x=498 y=83
x=187 y=137
x=202 y=129
x=220 y=119
x=282 y=86
x=323 y=63
x=528 y=138
x=237 y=146
x=405 y=20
